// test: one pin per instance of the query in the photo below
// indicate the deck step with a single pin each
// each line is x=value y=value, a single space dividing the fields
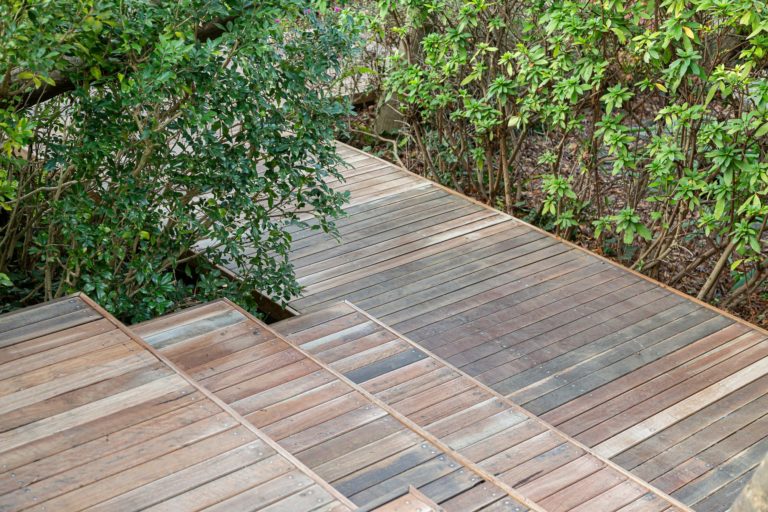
x=367 y=451
x=93 y=418
x=502 y=438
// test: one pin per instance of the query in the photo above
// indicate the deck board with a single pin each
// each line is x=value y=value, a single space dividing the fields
x=473 y=420
x=336 y=429
x=92 y=418
x=565 y=334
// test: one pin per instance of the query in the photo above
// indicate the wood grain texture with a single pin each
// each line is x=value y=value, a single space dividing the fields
x=479 y=424
x=613 y=358
x=325 y=421
x=90 y=418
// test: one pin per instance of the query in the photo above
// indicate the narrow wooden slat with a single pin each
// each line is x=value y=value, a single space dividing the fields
x=408 y=503
x=344 y=435
x=645 y=374
x=583 y=491
x=635 y=434
x=122 y=380
x=38 y=314
x=58 y=339
x=649 y=323
x=612 y=499
x=358 y=460
x=272 y=486
x=394 y=276
x=94 y=419
x=601 y=362
x=506 y=443
x=73 y=457
x=386 y=365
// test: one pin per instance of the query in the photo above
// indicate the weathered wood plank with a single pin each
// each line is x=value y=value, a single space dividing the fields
x=680 y=410
x=93 y=418
x=337 y=429
x=597 y=360
x=498 y=437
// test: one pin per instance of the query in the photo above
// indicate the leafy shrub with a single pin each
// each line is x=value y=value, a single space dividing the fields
x=657 y=112
x=144 y=142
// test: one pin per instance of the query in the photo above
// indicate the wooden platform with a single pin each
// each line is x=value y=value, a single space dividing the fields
x=414 y=501
x=650 y=378
x=348 y=437
x=91 y=418
x=500 y=437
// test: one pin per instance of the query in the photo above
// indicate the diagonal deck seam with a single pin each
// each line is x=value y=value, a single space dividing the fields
x=404 y=419
x=223 y=405
x=521 y=409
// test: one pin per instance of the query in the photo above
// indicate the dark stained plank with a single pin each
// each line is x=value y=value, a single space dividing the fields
x=389 y=235
x=323 y=271
x=545 y=347
x=595 y=350
x=472 y=420
x=629 y=356
x=724 y=497
x=471 y=227
x=649 y=376
x=364 y=233
x=386 y=279
x=386 y=365
x=419 y=477
x=529 y=289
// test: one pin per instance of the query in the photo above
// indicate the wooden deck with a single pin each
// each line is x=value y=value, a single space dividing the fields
x=519 y=373
x=414 y=501
x=91 y=418
x=665 y=386
x=502 y=438
x=349 y=438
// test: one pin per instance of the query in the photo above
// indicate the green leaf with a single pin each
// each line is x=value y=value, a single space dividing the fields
x=644 y=232
x=719 y=208
x=710 y=95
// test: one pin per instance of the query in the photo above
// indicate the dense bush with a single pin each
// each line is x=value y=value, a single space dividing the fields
x=134 y=131
x=639 y=124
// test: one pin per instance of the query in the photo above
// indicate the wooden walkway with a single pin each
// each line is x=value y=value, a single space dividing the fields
x=91 y=418
x=349 y=438
x=414 y=501
x=502 y=438
x=519 y=373
x=665 y=386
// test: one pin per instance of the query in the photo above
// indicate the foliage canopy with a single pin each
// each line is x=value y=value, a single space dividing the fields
x=168 y=127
